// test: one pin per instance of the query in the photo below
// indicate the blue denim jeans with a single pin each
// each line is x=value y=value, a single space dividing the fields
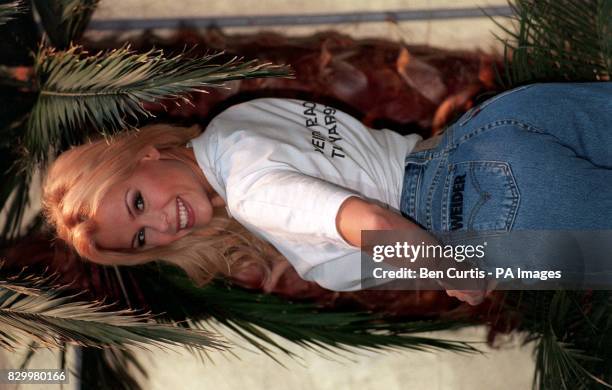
x=538 y=157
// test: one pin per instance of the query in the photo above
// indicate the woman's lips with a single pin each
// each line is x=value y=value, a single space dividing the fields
x=190 y=215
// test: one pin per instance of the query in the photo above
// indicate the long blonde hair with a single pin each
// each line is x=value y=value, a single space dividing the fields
x=80 y=177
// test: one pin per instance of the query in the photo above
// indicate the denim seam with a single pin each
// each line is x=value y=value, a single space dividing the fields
x=516 y=199
x=492 y=125
x=411 y=196
x=475 y=110
x=481 y=201
x=415 y=192
x=433 y=185
x=535 y=129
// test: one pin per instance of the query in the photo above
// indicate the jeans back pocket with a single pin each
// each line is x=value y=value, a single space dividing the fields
x=479 y=196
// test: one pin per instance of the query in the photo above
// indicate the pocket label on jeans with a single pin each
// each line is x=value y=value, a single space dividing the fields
x=479 y=195
x=456 y=203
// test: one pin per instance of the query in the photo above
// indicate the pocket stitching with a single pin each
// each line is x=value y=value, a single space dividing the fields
x=481 y=201
x=516 y=198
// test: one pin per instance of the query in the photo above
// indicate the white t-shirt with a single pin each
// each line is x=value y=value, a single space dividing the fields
x=284 y=167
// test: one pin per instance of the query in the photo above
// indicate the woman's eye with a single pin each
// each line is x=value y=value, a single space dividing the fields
x=139 y=202
x=141 y=238
x=139 y=205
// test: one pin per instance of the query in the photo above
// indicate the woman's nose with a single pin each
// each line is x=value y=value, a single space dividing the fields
x=156 y=220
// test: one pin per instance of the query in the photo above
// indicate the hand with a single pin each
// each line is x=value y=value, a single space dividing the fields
x=472 y=297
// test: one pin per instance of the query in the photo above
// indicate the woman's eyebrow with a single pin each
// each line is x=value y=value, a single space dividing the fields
x=127 y=206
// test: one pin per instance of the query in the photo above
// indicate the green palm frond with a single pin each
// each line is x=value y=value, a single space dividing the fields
x=65 y=21
x=573 y=335
x=560 y=366
x=25 y=282
x=558 y=40
x=106 y=90
x=15 y=172
x=110 y=369
x=249 y=314
x=9 y=10
x=51 y=320
x=15 y=196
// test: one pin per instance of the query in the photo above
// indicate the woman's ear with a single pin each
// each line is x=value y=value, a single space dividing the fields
x=150 y=153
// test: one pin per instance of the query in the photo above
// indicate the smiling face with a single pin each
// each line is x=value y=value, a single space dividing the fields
x=165 y=199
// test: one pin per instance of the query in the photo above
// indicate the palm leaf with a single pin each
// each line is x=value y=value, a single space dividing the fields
x=65 y=21
x=106 y=90
x=15 y=196
x=15 y=172
x=573 y=334
x=559 y=366
x=20 y=36
x=249 y=314
x=9 y=10
x=110 y=369
x=558 y=40
x=25 y=282
x=50 y=320
x=31 y=351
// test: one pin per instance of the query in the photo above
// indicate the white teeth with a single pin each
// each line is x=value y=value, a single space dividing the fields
x=182 y=214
